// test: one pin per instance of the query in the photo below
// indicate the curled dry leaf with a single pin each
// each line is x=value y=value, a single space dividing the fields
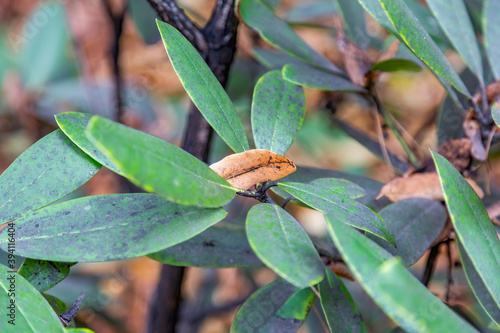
x=243 y=170
x=472 y=130
x=458 y=152
x=419 y=185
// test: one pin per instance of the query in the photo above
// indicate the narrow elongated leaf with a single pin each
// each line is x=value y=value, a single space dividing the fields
x=402 y=297
x=23 y=308
x=251 y=167
x=203 y=87
x=375 y=9
x=278 y=33
x=43 y=275
x=393 y=65
x=73 y=124
x=283 y=245
x=262 y=312
x=108 y=227
x=477 y=285
x=415 y=224
x=278 y=109
x=159 y=166
x=216 y=247
x=309 y=12
x=273 y=59
x=495 y=113
x=455 y=21
x=472 y=225
x=340 y=311
x=47 y=171
x=349 y=211
x=491 y=31
x=347 y=188
x=419 y=41
x=354 y=19
x=312 y=77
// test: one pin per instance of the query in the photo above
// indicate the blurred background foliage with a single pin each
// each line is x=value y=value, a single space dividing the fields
x=56 y=56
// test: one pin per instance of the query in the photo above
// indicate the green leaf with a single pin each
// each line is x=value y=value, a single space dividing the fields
x=495 y=113
x=339 y=185
x=402 y=297
x=159 y=166
x=73 y=124
x=350 y=211
x=283 y=245
x=310 y=11
x=204 y=89
x=107 y=227
x=216 y=247
x=354 y=18
x=55 y=303
x=278 y=33
x=43 y=275
x=472 y=225
x=415 y=224
x=298 y=305
x=374 y=8
x=79 y=330
x=312 y=77
x=273 y=59
x=340 y=311
x=143 y=16
x=29 y=311
x=455 y=21
x=477 y=285
x=278 y=109
x=393 y=65
x=47 y=171
x=261 y=312
x=491 y=31
x=419 y=41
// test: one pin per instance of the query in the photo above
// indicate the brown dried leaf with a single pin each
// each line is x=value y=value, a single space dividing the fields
x=473 y=132
x=458 y=152
x=243 y=170
x=492 y=92
x=421 y=185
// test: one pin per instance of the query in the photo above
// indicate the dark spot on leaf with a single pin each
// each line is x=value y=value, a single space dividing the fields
x=209 y=243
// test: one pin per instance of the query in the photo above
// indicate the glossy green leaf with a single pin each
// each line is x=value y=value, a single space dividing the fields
x=375 y=9
x=73 y=124
x=216 y=247
x=339 y=185
x=47 y=171
x=278 y=109
x=402 y=297
x=419 y=41
x=159 y=166
x=108 y=227
x=455 y=21
x=349 y=211
x=298 y=305
x=395 y=64
x=273 y=59
x=55 y=303
x=283 y=245
x=472 y=225
x=278 y=33
x=204 y=89
x=340 y=311
x=29 y=311
x=354 y=18
x=43 y=275
x=312 y=77
x=415 y=224
x=261 y=312
x=477 y=285
x=491 y=31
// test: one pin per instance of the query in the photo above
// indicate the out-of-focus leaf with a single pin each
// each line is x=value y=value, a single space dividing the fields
x=455 y=21
x=402 y=297
x=143 y=15
x=216 y=247
x=340 y=311
x=491 y=31
x=394 y=64
x=472 y=225
x=254 y=166
x=27 y=309
x=354 y=19
x=262 y=312
x=47 y=171
x=274 y=59
x=495 y=113
x=159 y=166
x=348 y=211
x=203 y=87
x=43 y=275
x=419 y=41
x=310 y=11
x=278 y=33
x=283 y=245
x=43 y=44
x=415 y=224
x=278 y=109
x=375 y=9
x=79 y=330
x=312 y=77
x=107 y=227
x=477 y=285
x=73 y=124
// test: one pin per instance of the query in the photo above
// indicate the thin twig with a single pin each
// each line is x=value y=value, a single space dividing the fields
x=429 y=265
x=449 y=271
x=287 y=200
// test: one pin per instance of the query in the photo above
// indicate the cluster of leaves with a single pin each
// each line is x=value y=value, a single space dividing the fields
x=176 y=223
